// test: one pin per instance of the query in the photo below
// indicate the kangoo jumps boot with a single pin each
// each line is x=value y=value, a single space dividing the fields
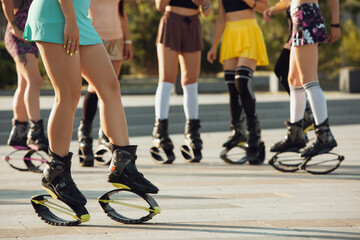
x=18 y=134
x=123 y=172
x=161 y=136
x=255 y=148
x=324 y=143
x=192 y=134
x=36 y=138
x=295 y=139
x=58 y=182
x=308 y=119
x=238 y=134
x=85 y=139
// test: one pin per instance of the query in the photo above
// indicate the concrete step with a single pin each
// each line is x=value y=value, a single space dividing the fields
x=214 y=117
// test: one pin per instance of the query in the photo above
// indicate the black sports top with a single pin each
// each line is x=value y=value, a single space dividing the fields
x=183 y=3
x=234 y=5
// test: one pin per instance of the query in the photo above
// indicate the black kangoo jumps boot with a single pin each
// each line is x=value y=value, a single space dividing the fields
x=308 y=119
x=192 y=134
x=255 y=148
x=123 y=172
x=324 y=143
x=238 y=134
x=161 y=136
x=18 y=134
x=36 y=138
x=85 y=139
x=58 y=182
x=294 y=141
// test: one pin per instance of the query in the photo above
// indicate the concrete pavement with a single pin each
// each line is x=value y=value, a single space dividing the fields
x=210 y=200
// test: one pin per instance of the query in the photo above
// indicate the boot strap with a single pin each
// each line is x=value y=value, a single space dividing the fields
x=122 y=159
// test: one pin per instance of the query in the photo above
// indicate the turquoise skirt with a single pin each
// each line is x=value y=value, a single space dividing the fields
x=46 y=22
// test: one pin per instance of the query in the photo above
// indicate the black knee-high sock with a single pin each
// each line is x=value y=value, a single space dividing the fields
x=243 y=79
x=282 y=69
x=90 y=106
x=235 y=102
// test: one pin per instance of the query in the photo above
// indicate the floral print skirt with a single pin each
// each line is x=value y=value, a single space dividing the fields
x=308 y=24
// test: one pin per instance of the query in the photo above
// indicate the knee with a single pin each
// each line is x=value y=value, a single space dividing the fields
x=292 y=81
x=109 y=91
x=68 y=98
x=242 y=79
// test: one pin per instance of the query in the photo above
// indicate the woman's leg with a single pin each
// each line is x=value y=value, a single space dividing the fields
x=99 y=72
x=30 y=72
x=237 y=122
x=117 y=66
x=295 y=139
x=18 y=134
x=307 y=62
x=19 y=107
x=97 y=69
x=190 y=71
x=28 y=66
x=168 y=63
x=65 y=75
x=244 y=74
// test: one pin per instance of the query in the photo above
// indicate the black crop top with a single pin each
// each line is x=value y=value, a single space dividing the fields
x=234 y=5
x=183 y=3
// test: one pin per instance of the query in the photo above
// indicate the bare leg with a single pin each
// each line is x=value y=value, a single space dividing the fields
x=306 y=59
x=65 y=75
x=190 y=67
x=101 y=75
x=117 y=67
x=19 y=108
x=168 y=62
x=29 y=70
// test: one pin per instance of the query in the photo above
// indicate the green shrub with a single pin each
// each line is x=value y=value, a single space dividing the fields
x=8 y=77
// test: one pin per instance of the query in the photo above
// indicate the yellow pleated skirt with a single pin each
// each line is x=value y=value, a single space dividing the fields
x=243 y=38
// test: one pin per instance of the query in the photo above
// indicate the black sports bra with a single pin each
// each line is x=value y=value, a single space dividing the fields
x=234 y=5
x=183 y=3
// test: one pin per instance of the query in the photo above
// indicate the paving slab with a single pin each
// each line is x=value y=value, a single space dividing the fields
x=209 y=200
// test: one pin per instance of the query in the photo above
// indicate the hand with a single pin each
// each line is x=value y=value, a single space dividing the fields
x=71 y=37
x=335 y=34
x=268 y=14
x=128 y=52
x=17 y=32
x=211 y=55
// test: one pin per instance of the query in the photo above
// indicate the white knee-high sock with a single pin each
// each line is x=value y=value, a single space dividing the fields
x=297 y=103
x=191 y=104
x=317 y=101
x=162 y=100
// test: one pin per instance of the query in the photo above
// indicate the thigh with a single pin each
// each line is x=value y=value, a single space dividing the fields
x=117 y=66
x=168 y=63
x=63 y=70
x=306 y=58
x=250 y=63
x=97 y=69
x=190 y=67
x=28 y=67
x=230 y=64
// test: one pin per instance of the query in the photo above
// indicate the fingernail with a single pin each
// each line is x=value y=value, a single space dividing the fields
x=64 y=46
x=68 y=51
x=70 y=54
x=76 y=51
